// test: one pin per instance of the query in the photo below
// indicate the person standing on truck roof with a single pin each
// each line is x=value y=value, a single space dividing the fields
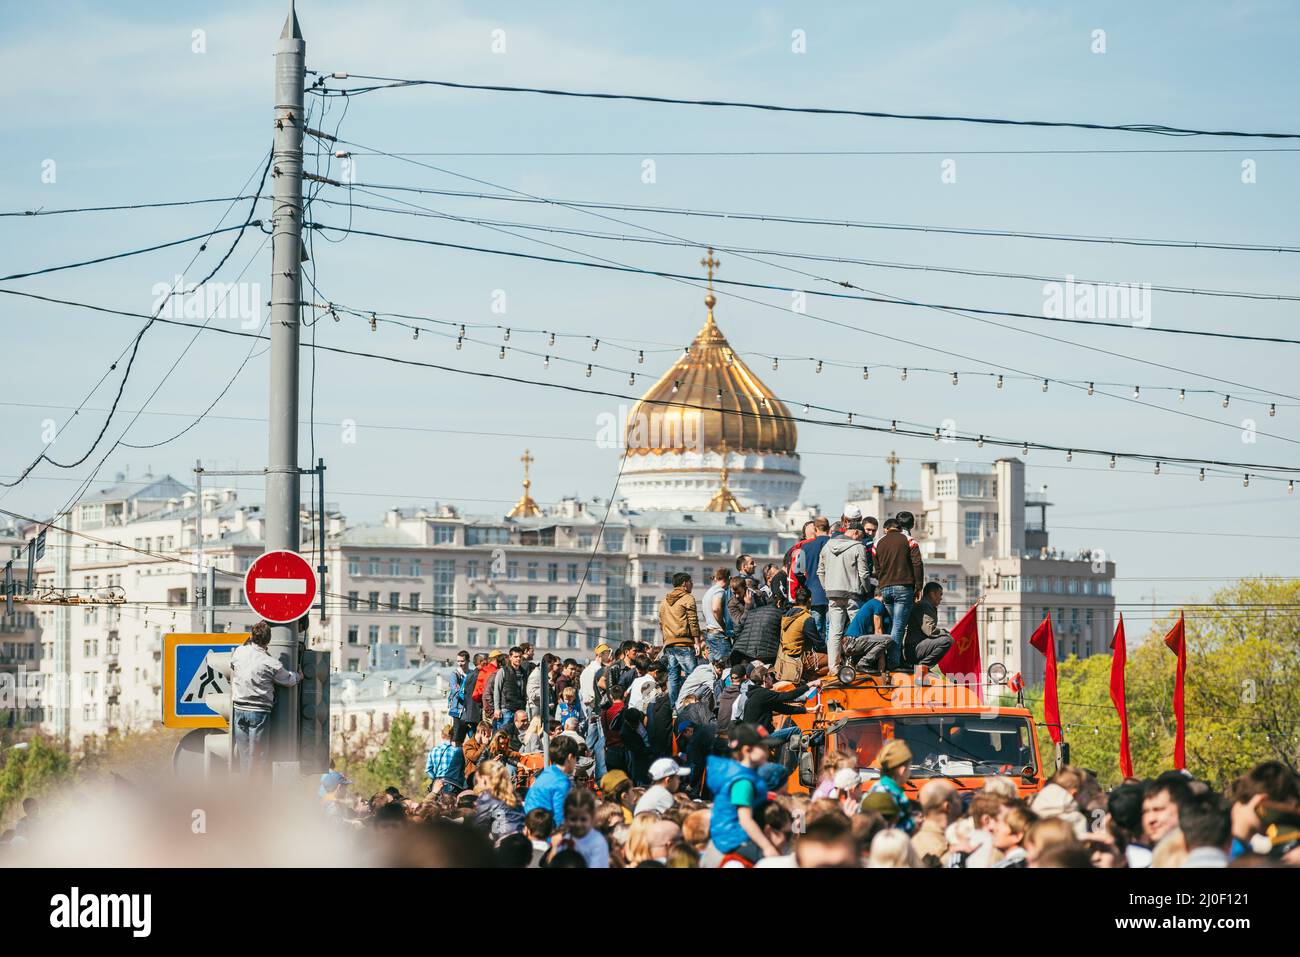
x=901 y=574
x=845 y=573
x=926 y=643
x=680 y=625
x=811 y=557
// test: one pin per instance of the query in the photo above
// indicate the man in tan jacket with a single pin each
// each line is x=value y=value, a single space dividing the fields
x=680 y=625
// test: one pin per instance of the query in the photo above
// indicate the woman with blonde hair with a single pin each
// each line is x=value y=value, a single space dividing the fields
x=534 y=739
x=892 y=848
x=496 y=808
x=638 y=846
x=834 y=761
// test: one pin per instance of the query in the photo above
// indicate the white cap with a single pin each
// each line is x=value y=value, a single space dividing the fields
x=846 y=779
x=852 y=513
x=666 y=768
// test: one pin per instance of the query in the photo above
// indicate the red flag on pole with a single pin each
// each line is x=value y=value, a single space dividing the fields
x=1118 y=659
x=1045 y=642
x=963 y=658
x=1177 y=642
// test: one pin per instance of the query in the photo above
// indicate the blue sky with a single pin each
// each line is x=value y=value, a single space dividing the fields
x=129 y=113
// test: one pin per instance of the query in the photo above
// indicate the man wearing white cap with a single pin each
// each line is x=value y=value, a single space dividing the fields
x=666 y=775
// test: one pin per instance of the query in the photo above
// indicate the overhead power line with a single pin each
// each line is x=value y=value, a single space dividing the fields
x=130 y=252
x=1155 y=128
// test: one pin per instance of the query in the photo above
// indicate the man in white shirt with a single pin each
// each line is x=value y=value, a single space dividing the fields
x=254 y=675
x=666 y=777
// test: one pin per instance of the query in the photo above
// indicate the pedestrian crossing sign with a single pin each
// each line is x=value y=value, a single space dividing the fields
x=187 y=677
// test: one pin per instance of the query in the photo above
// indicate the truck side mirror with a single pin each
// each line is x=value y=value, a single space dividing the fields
x=807 y=765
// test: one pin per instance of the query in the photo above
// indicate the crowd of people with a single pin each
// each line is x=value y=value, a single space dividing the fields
x=678 y=755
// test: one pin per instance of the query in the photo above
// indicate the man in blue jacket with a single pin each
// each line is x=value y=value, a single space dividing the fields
x=552 y=785
x=812 y=553
x=738 y=790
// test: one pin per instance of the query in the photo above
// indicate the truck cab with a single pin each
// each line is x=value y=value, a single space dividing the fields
x=949 y=732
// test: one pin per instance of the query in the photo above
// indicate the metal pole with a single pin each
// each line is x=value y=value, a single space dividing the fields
x=320 y=534
x=282 y=479
x=210 y=608
x=198 y=542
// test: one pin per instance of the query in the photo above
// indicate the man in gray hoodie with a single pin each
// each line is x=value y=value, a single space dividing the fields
x=845 y=573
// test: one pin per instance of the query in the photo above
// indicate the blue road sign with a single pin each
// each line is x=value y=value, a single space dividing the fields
x=187 y=677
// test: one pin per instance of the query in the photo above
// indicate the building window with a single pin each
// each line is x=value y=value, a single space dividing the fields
x=552 y=572
x=444 y=534
x=354 y=600
x=593 y=605
x=613 y=541
x=416 y=568
x=532 y=637
x=1073 y=586
x=444 y=596
x=716 y=545
x=647 y=606
x=584 y=539
x=755 y=546
x=492 y=637
x=551 y=604
x=552 y=637
x=572 y=571
x=678 y=544
x=532 y=603
x=372 y=566
x=512 y=571
x=512 y=637
x=512 y=603
x=532 y=571
x=415 y=635
x=471 y=569
x=372 y=601
x=973 y=527
x=573 y=639
x=487 y=536
x=593 y=637
x=394 y=600
x=394 y=634
x=353 y=634
x=354 y=567
x=373 y=635
x=471 y=637
x=571 y=604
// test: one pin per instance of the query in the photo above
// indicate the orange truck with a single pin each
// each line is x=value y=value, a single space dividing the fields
x=949 y=732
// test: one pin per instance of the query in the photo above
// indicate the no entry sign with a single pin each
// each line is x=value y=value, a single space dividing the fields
x=280 y=586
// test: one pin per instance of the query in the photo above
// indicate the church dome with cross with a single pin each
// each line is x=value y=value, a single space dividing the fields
x=709 y=434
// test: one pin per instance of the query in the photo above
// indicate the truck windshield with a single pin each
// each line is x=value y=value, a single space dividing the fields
x=945 y=744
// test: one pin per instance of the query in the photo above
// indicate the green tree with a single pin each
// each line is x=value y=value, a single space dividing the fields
x=398 y=763
x=1243 y=652
x=31 y=771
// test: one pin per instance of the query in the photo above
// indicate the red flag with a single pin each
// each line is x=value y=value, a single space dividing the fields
x=1177 y=642
x=1118 y=659
x=963 y=658
x=1016 y=683
x=1044 y=641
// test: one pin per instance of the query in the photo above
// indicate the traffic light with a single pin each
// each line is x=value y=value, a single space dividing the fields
x=314 y=713
x=219 y=746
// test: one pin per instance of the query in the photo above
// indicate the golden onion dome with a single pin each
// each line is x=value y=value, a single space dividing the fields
x=684 y=405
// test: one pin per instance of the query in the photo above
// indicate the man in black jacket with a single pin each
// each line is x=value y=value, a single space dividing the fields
x=760 y=636
x=508 y=695
x=762 y=703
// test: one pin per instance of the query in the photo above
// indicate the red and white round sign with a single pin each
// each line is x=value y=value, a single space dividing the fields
x=280 y=586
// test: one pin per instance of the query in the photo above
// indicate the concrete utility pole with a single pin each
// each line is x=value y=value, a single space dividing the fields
x=282 y=492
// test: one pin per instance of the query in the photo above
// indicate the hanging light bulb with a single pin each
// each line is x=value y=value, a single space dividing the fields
x=819 y=366
x=999 y=381
x=595 y=345
x=1137 y=392
x=850 y=418
x=460 y=342
x=775 y=363
x=686 y=350
x=979 y=443
x=461 y=331
x=719 y=395
x=1090 y=388
x=1024 y=449
x=1272 y=409
x=374 y=322
x=893 y=425
x=1157 y=468
x=507 y=339
x=588 y=370
x=640 y=357
x=677 y=384
x=502 y=353
x=954 y=378
x=1182 y=395
x=1225 y=401
x=631 y=378
x=337 y=317
x=1112 y=461
x=731 y=357
x=1290 y=486
x=936 y=434
x=1044 y=385
x=1245 y=480
x=1201 y=477
x=415 y=332
x=903 y=377
x=806 y=408
x=1069 y=455
x=551 y=341
x=546 y=363
x=866 y=373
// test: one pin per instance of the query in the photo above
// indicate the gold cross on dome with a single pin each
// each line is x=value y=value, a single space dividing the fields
x=893 y=462
x=528 y=460
x=709 y=263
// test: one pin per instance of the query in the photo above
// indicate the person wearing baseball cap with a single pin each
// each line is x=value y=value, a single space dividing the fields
x=895 y=762
x=737 y=792
x=666 y=777
x=590 y=694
